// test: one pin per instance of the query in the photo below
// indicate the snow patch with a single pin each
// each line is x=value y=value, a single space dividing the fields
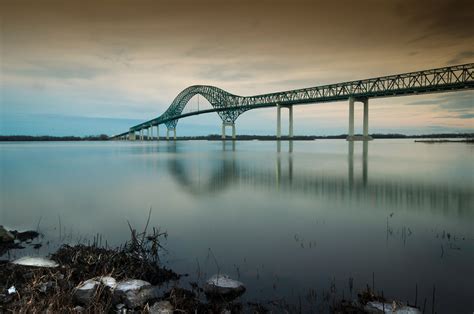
x=35 y=261
x=133 y=284
x=108 y=282
x=390 y=308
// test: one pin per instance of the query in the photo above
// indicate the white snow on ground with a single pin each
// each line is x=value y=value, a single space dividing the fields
x=133 y=284
x=35 y=261
x=390 y=308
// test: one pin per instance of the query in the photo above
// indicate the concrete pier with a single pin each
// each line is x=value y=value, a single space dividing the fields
x=168 y=134
x=366 y=118
x=278 y=121
x=231 y=124
x=290 y=126
x=290 y=123
x=350 y=133
x=365 y=135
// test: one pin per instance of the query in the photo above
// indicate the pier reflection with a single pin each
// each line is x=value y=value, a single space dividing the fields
x=230 y=170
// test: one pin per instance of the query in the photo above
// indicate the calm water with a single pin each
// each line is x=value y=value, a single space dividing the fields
x=288 y=224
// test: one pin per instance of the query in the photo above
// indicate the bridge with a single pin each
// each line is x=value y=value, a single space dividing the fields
x=229 y=106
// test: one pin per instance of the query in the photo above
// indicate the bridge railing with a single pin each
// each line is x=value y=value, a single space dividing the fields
x=428 y=81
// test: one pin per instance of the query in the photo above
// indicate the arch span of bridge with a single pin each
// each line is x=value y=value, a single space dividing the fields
x=229 y=106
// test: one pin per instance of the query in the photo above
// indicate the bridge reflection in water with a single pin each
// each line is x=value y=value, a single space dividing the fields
x=230 y=171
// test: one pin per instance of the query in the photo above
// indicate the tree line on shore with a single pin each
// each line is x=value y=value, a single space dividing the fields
x=49 y=138
x=104 y=137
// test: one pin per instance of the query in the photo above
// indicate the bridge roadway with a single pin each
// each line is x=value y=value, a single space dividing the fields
x=230 y=106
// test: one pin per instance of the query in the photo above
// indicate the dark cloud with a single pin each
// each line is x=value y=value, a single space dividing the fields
x=457 y=105
x=463 y=57
x=429 y=20
x=466 y=116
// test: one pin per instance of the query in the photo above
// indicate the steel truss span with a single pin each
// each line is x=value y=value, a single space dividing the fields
x=230 y=106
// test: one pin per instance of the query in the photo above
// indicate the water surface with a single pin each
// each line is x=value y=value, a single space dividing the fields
x=292 y=221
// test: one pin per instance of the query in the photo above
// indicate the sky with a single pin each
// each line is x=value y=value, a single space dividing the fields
x=91 y=67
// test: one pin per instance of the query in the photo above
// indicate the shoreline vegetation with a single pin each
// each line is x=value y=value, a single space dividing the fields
x=436 y=138
x=95 y=278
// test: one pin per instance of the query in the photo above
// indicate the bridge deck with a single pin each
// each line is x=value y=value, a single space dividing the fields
x=452 y=78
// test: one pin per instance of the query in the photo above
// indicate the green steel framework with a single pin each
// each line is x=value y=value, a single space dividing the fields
x=230 y=106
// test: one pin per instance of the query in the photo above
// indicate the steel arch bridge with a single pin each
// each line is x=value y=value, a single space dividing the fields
x=230 y=106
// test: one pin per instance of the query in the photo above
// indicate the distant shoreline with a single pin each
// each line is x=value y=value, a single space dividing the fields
x=432 y=141
x=463 y=137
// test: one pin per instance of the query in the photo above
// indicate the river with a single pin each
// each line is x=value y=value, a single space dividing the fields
x=290 y=220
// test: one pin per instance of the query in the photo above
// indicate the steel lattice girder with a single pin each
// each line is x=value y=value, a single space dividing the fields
x=230 y=106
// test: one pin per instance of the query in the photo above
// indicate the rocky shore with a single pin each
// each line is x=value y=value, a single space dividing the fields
x=130 y=279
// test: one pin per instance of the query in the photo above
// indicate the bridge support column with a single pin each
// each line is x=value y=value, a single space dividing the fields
x=350 y=133
x=157 y=132
x=151 y=130
x=278 y=121
x=366 y=119
x=224 y=125
x=168 y=134
x=131 y=136
x=290 y=126
x=141 y=134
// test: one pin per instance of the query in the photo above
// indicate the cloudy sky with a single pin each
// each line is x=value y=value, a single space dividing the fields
x=90 y=67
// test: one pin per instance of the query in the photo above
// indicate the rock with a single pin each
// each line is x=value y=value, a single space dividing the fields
x=162 y=307
x=135 y=293
x=45 y=287
x=85 y=292
x=389 y=308
x=26 y=236
x=12 y=290
x=35 y=261
x=108 y=282
x=6 y=236
x=120 y=308
x=79 y=309
x=222 y=286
